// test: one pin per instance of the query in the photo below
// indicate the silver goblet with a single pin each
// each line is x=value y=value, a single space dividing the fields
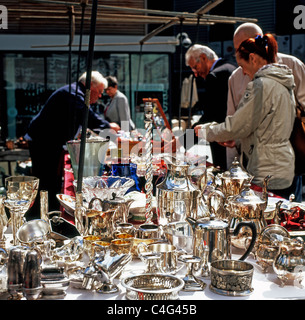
x=21 y=192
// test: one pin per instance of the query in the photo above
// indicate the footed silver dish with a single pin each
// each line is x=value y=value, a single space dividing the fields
x=152 y=287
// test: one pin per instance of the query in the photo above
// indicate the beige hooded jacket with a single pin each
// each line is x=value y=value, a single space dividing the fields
x=263 y=122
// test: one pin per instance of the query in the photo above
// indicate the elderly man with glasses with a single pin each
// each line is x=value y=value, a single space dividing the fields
x=216 y=71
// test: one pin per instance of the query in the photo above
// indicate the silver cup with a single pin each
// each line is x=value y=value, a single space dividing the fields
x=168 y=262
x=149 y=231
x=125 y=227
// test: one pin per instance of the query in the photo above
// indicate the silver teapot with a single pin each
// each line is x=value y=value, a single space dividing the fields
x=102 y=216
x=233 y=180
x=121 y=207
x=247 y=206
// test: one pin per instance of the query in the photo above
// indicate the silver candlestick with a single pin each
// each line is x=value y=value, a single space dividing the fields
x=148 y=113
x=79 y=213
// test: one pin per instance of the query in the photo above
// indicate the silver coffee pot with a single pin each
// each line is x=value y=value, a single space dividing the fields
x=215 y=234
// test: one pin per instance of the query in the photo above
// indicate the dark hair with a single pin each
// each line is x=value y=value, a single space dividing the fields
x=265 y=46
x=112 y=81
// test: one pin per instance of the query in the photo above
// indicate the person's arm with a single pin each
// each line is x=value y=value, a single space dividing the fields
x=241 y=124
x=96 y=122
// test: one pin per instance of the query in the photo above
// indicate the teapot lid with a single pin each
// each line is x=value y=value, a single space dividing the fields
x=236 y=171
x=212 y=223
x=248 y=196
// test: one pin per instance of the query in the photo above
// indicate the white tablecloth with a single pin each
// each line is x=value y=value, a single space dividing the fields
x=266 y=286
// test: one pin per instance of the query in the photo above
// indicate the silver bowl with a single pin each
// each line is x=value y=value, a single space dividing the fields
x=33 y=231
x=54 y=288
x=104 y=187
x=231 y=277
x=152 y=287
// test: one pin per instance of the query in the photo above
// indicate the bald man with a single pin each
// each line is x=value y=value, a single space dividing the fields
x=239 y=81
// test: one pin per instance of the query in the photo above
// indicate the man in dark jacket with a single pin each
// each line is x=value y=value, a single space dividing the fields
x=216 y=71
x=59 y=121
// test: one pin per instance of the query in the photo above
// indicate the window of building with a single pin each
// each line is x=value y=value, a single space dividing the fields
x=31 y=78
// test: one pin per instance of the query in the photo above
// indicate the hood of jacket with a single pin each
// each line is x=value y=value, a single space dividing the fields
x=278 y=72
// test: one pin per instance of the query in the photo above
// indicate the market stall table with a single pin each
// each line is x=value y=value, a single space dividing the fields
x=12 y=156
x=266 y=286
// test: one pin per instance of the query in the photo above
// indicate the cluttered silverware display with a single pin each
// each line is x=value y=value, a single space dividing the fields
x=207 y=231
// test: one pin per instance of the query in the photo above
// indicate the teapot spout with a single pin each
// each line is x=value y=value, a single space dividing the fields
x=277 y=217
x=265 y=188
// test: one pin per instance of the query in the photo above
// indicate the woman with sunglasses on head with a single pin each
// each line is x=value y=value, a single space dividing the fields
x=264 y=119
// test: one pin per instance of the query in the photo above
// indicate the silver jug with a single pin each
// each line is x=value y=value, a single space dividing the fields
x=95 y=153
x=177 y=196
x=289 y=263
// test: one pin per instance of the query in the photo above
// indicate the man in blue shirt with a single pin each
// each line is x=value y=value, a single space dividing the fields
x=58 y=122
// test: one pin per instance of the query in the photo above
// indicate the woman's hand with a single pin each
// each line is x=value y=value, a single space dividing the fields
x=228 y=144
x=198 y=128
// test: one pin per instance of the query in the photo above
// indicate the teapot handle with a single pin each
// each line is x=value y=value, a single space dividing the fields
x=252 y=226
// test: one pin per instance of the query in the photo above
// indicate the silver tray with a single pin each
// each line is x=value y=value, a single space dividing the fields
x=68 y=203
x=152 y=287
